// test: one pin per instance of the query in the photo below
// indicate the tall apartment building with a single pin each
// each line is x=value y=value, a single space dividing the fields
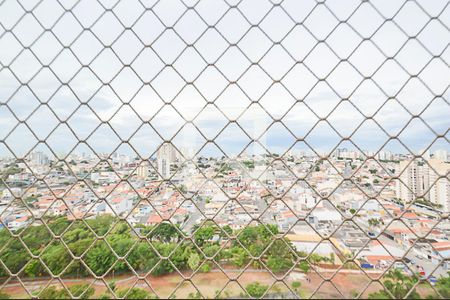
x=422 y=180
x=166 y=156
x=441 y=154
x=39 y=158
x=142 y=170
x=440 y=190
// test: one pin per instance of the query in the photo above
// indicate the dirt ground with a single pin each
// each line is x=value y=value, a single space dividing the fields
x=209 y=284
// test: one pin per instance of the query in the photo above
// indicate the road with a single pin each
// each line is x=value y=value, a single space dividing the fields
x=427 y=265
x=194 y=216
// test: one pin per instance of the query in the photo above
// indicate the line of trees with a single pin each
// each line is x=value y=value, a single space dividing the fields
x=161 y=251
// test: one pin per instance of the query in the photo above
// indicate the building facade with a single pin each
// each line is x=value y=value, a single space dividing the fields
x=166 y=156
x=427 y=180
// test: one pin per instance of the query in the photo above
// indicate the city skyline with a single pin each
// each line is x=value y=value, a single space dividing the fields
x=190 y=154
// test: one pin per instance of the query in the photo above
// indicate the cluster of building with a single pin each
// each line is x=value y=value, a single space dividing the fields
x=428 y=181
x=307 y=197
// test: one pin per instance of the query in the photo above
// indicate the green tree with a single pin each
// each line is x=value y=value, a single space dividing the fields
x=315 y=258
x=280 y=256
x=142 y=257
x=249 y=164
x=248 y=236
x=121 y=244
x=58 y=225
x=239 y=256
x=205 y=268
x=296 y=286
x=379 y=295
x=165 y=266
x=101 y=224
x=256 y=289
x=82 y=291
x=373 y=222
x=34 y=268
x=165 y=232
x=226 y=229
x=134 y=293
x=278 y=264
x=56 y=258
x=195 y=295
x=354 y=294
x=257 y=238
x=443 y=286
x=112 y=285
x=398 y=284
x=14 y=256
x=304 y=266
x=180 y=256
x=100 y=258
x=51 y=292
x=194 y=261
x=332 y=258
x=211 y=250
x=107 y=294
x=203 y=235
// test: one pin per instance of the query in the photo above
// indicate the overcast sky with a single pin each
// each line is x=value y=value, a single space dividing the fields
x=149 y=68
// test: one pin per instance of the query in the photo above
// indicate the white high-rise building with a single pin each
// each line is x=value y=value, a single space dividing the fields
x=39 y=158
x=166 y=156
x=384 y=155
x=413 y=181
x=421 y=179
x=142 y=170
x=441 y=154
x=120 y=159
x=440 y=184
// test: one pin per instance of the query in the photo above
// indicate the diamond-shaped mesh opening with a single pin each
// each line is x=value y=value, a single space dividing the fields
x=224 y=149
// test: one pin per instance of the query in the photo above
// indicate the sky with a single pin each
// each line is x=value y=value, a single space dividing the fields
x=289 y=74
